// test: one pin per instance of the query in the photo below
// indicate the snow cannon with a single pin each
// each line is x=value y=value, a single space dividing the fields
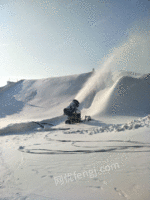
x=74 y=115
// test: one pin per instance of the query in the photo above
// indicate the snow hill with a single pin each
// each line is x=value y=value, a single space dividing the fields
x=100 y=94
x=126 y=94
x=39 y=99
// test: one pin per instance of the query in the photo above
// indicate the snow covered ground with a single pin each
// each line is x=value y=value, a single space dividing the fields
x=108 y=157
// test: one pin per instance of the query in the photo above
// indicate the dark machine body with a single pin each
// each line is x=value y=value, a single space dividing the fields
x=74 y=115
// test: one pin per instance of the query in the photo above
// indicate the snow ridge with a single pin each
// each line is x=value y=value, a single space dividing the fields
x=135 y=124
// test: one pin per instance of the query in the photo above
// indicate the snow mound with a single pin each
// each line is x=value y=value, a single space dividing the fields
x=33 y=126
x=128 y=96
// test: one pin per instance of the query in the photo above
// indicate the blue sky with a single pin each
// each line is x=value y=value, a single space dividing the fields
x=46 y=38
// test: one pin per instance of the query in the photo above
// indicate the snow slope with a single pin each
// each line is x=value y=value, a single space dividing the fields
x=38 y=99
x=37 y=148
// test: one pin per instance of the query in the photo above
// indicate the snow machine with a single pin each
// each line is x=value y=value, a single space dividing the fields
x=74 y=115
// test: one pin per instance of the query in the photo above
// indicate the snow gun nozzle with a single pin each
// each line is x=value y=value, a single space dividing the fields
x=72 y=108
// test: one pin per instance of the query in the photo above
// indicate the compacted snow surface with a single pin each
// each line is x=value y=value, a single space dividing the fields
x=108 y=157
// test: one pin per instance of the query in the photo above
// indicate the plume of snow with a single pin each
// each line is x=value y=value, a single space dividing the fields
x=96 y=81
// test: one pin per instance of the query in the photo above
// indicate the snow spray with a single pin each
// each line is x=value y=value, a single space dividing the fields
x=96 y=81
x=133 y=53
